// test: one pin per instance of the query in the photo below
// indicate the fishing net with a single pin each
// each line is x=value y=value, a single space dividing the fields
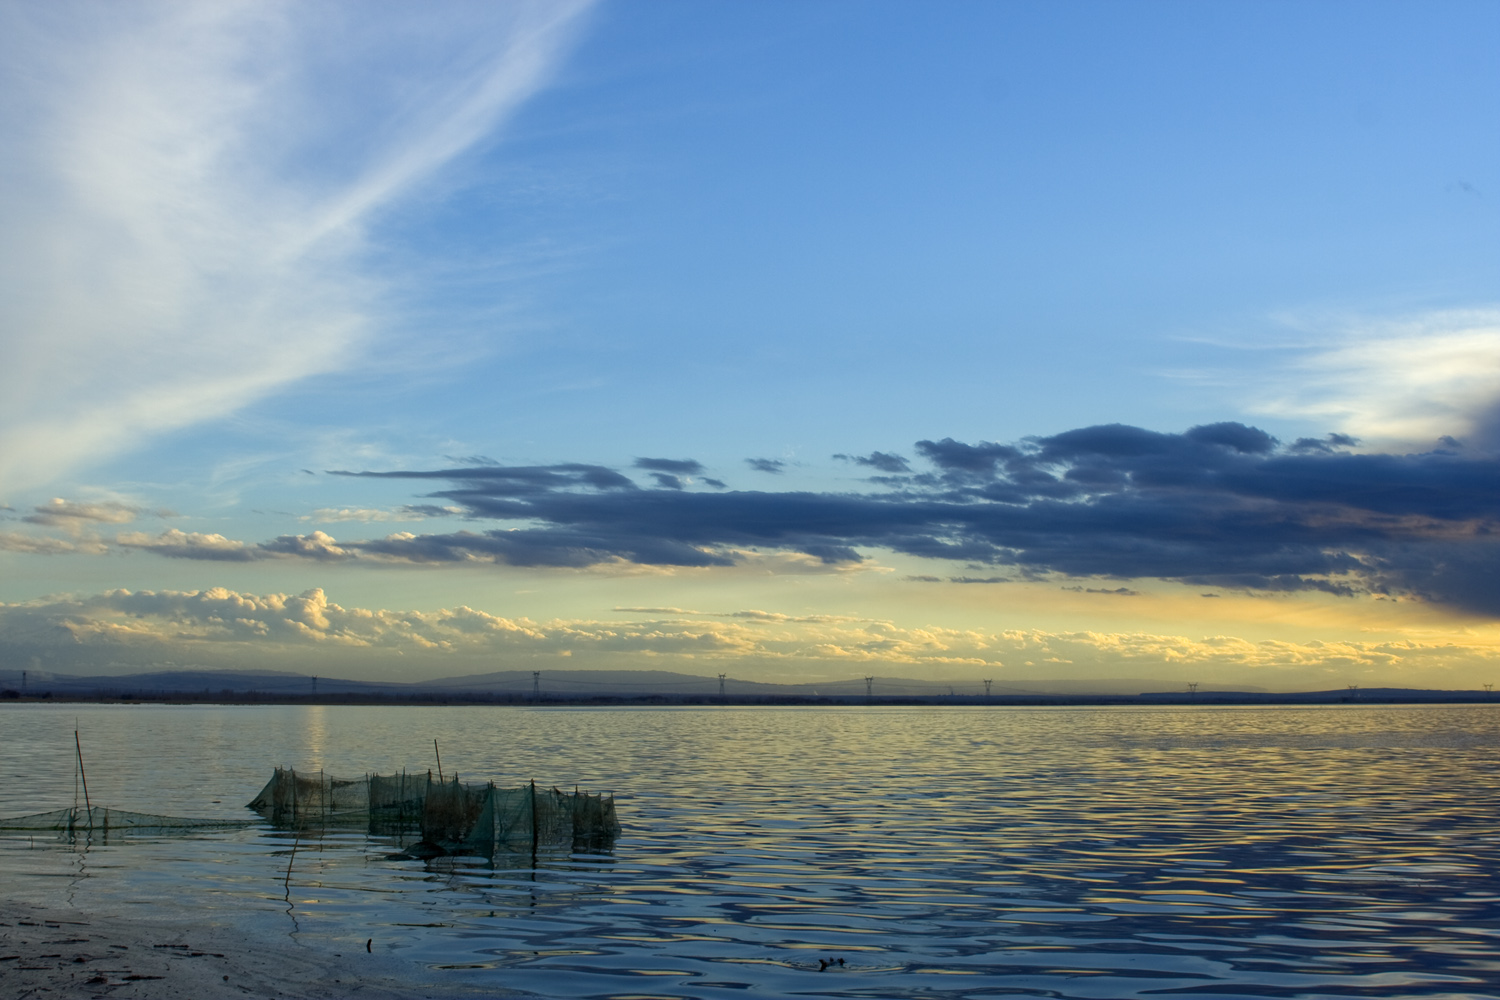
x=452 y=817
x=395 y=802
x=104 y=820
x=483 y=819
x=315 y=799
x=449 y=816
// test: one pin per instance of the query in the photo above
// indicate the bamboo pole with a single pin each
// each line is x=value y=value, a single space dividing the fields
x=84 y=775
x=287 y=882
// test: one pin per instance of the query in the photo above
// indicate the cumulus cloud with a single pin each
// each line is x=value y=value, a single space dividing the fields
x=317 y=545
x=15 y=541
x=63 y=513
x=675 y=466
x=1221 y=505
x=880 y=460
x=174 y=544
x=677 y=473
x=209 y=174
x=177 y=544
x=222 y=627
x=218 y=615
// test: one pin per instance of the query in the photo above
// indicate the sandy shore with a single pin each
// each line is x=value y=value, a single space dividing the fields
x=60 y=952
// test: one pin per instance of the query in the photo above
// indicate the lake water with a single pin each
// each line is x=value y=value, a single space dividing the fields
x=939 y=852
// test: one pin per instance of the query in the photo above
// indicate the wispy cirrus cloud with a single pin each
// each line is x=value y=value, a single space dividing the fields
x=189 y=191
x=1399 y=384
x=406 y=512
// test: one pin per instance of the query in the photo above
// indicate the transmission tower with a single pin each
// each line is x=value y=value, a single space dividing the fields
x=869 y=688
x=536 y=685
x=987 y=682
x=721 y=687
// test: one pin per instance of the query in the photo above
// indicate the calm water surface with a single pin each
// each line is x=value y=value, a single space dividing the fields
x=939 y=852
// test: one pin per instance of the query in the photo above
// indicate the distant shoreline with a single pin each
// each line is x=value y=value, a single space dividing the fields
x=509 y=699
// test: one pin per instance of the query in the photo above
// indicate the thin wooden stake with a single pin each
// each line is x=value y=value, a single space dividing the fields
x=439 y=759
x=82 y=774
x=287 y=882
x=533 y=823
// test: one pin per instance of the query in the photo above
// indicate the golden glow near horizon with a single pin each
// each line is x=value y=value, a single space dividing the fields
x=532 y=345
x=875 y=621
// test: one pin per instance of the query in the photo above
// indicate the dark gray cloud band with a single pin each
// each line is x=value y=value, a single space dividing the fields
x=1222 y=504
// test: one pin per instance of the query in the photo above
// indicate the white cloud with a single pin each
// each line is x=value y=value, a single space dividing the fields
x=68 y=513
x=227 y=628
x=41 y=545
x=1401 y=384
x=330 y=515
x=188 y=188
x=189 y=545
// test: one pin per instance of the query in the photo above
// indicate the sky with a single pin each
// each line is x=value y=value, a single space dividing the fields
x=1030 y=342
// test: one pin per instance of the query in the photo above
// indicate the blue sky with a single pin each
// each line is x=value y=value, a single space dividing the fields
x=252 y=244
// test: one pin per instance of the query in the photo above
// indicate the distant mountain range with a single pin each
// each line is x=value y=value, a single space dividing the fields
x=645 y=685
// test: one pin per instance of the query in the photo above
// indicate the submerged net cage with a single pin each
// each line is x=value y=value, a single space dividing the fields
x=451 y=817
x=484 y=819
x=315 y=799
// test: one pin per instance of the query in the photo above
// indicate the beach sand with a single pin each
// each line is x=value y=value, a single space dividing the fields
x=50 y=952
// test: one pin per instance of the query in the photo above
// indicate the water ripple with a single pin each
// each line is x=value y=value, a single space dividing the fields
x=912 y=853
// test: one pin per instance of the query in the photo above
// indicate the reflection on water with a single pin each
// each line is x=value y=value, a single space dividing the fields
x=314 y=727
x=957 y=852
